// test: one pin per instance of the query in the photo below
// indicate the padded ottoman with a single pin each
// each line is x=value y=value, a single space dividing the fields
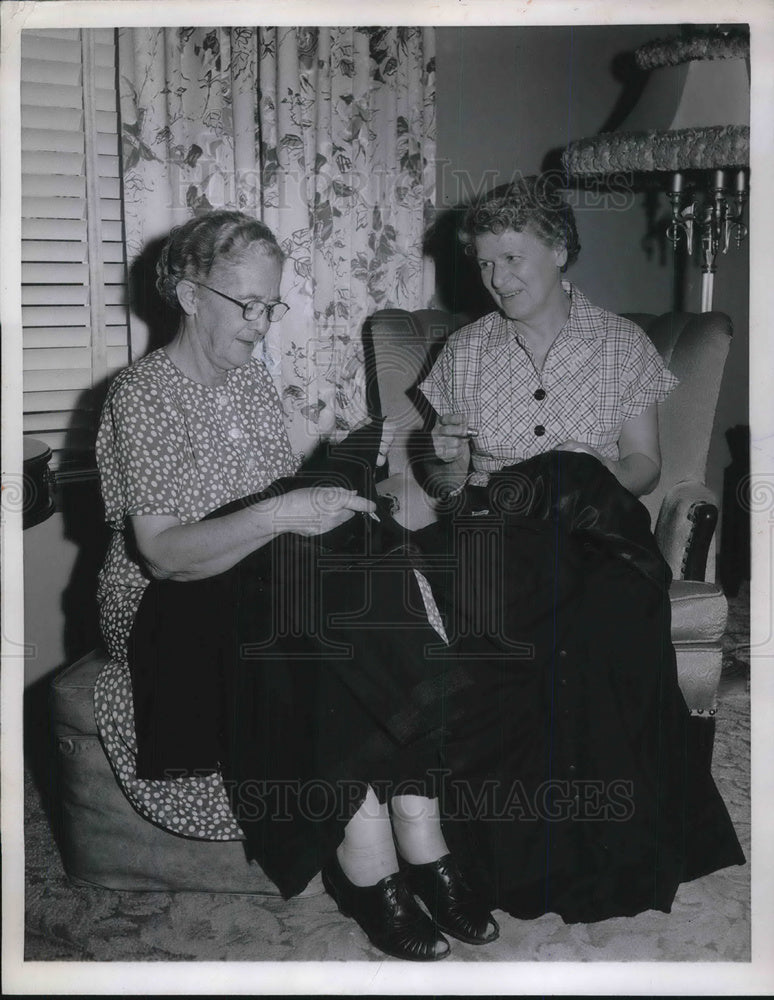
x=103 y=840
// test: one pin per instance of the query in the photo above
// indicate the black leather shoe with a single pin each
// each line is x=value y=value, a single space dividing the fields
x=389 y=914
x=453 y=905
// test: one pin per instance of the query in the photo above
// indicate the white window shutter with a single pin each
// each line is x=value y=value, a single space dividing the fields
x=74 y=288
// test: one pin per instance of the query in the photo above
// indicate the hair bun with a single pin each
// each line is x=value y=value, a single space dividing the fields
x=193 y=248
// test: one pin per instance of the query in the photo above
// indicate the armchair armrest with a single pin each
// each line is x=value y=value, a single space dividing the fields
x=685 y=528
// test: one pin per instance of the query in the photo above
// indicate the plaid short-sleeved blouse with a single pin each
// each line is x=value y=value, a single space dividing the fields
x=600 y=371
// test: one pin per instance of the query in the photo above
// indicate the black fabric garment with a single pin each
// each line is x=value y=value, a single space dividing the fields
x=301 y=674
x=176 y=652
x=572 y=788
x=184 y=631
x=318 y=710
x=309 y=670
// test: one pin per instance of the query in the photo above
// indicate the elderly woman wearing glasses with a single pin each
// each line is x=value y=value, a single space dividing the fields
x=217 y=535
x=197 y=423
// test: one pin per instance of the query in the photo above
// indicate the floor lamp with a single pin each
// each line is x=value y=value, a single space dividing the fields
x=691 y=124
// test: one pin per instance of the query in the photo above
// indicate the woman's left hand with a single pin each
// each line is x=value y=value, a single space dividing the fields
x=585 y=449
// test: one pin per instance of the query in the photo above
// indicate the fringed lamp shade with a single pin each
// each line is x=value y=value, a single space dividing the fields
x=648 y=152
x=693 y=115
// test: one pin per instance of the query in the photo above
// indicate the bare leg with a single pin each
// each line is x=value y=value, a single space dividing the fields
x=416 y=823
x=367 y=853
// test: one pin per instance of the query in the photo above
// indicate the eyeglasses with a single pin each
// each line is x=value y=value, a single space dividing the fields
x=252 y=308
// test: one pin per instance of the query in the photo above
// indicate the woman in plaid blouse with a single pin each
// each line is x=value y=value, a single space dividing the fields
x=567 y=749
x=548 y=370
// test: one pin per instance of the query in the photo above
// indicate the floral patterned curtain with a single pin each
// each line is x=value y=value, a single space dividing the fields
x=328 y=136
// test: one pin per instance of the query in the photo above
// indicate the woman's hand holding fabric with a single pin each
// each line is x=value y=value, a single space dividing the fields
x=317 y=509
x=639 y=456
x=175 y=551
x=639 y=462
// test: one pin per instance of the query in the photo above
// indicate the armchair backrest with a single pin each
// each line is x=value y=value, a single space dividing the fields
x=400 y=346
x=694 y=347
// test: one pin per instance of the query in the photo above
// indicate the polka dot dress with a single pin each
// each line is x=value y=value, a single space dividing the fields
x=195 y=807
x=168 y=445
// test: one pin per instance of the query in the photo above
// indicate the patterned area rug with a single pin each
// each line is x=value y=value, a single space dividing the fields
x=710 y=919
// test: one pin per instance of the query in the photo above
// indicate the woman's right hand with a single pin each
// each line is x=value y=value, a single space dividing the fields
x=174 y=551
x=317 y=509
x=450 y=436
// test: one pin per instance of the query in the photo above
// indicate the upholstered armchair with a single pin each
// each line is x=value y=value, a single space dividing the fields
x=683 y=511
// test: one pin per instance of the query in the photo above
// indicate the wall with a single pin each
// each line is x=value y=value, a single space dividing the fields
x=61 y=559
x=49 y=560
x=507 y=97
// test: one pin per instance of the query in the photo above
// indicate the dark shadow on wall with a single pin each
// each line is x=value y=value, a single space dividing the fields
x=40 y=747
x=145 y=301
x=458 y=285
x=84 y=525
x=78 y=495
x=734 y=558
x=624 y=70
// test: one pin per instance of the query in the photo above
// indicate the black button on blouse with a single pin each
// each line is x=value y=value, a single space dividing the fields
x=539 y=394
x=540 y=430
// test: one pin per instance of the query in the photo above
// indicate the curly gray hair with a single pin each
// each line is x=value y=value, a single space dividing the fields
x=529 y=203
